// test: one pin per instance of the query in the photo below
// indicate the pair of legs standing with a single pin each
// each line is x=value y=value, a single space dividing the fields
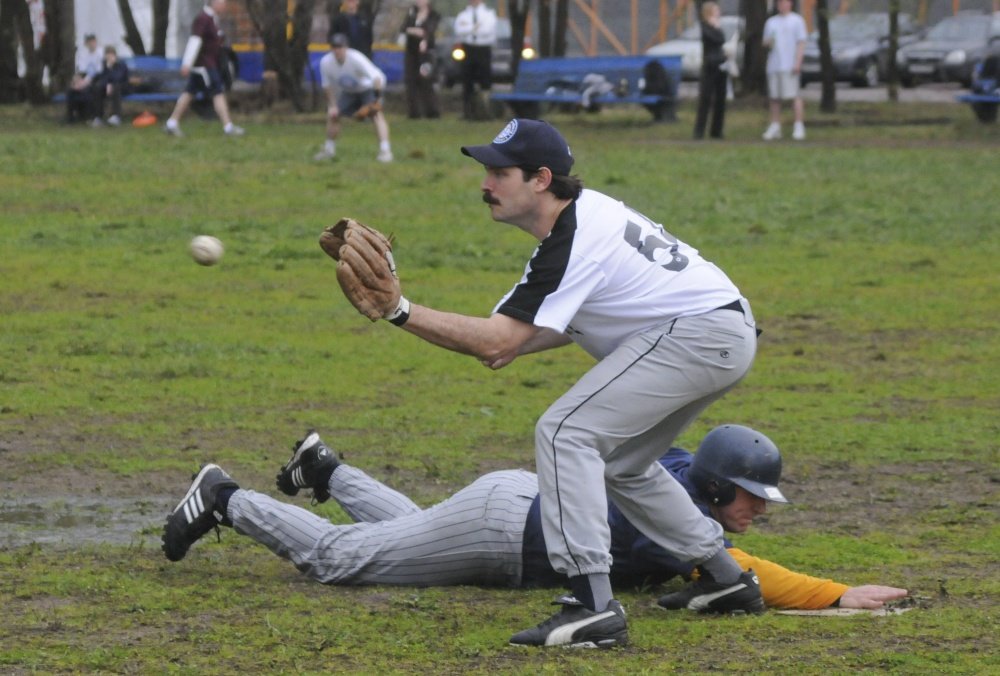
x=603 y=438
x=418 y=81
x=784 y=86
x=362 y=105
x=712 y=90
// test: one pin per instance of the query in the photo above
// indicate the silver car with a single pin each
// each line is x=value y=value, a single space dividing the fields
x=688 y=46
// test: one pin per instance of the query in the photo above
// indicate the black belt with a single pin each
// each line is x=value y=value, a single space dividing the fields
x=735 y=306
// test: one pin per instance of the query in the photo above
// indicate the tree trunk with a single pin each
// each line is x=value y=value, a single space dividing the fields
x=10 y=83
x=161 y=21
x=754 y=71
x=298 y=44
x=560 y=28
x=828 y=100
x=33 y=64
x=287 y=56
x=132 y=37
x=60 y=40
x=518 y=10
x=892 y=74
x=544 y=28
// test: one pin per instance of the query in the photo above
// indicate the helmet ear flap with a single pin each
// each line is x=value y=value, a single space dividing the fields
x=720 y=493
x=712 y=491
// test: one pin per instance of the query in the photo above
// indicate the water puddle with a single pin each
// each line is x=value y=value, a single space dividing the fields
x=73 y=521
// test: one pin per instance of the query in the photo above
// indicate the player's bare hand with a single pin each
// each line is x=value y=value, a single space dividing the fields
x=185 y=70
x=498 y=363
x=870 y=596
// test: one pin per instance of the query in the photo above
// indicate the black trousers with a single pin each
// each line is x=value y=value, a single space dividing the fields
x=101 y=96
x=476 y=70
x=711 y=95
x=421 y=99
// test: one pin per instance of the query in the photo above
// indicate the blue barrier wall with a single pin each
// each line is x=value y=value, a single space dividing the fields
x=252 y=64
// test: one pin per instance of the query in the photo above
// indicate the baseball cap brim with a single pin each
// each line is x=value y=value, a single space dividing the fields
x=769 y=493
x=489 y=156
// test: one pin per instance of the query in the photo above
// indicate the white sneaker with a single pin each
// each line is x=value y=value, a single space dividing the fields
x=799 y=132
x=173 y=130
x=773 y=132
x=114 y=121
x=324 y=155
x=384 y=156
x=97 y=122
x=233 y=131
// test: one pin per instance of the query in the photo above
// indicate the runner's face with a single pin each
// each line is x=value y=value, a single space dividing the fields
x=737 y=516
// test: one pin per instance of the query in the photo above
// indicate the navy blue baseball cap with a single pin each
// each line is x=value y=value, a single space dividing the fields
x=525 y=143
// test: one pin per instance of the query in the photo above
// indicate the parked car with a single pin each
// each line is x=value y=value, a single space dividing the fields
x=859 y=45
x=450 y=53
x=951 y=49
x=688 y=46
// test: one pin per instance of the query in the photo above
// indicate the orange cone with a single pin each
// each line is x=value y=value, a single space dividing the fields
x=144 y=119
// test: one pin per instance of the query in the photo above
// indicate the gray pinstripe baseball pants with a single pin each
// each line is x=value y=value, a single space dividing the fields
x=473 y=537
x=602 y=438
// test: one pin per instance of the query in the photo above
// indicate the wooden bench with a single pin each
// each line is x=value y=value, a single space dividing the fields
x=611 y=79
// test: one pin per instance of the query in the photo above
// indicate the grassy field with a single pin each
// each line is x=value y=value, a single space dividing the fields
x=869 y=253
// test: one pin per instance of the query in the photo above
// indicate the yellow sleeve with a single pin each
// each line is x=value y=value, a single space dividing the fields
x=782 y=588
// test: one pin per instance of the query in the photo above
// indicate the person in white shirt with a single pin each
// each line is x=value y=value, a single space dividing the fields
x=785 y=37
x=476 y=29
x=79 y=98
x=353 y=86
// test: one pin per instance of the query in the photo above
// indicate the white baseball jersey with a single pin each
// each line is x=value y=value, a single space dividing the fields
x=357 y=74
x=787 y=31
x=476 y=25
x=606 y=273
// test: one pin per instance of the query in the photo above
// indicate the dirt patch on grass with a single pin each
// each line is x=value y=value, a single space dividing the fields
x=69 y=505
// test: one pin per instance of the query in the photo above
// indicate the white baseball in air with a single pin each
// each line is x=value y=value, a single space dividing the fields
x=206 y=250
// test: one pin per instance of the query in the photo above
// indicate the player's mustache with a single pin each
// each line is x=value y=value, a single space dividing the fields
x=489 y=198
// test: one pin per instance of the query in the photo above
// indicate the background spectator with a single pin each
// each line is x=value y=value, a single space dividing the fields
x=418 y=59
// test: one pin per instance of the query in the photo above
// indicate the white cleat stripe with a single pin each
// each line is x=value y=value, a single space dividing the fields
x=564 y=634
x=702 y=602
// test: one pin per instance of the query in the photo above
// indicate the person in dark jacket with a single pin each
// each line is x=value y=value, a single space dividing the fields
x=714 y=76
x=110 y=85
x=418 y=31
x=355 y=21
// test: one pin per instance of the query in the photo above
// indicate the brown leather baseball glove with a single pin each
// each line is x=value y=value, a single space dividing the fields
x=368 y=110
x=366 y=270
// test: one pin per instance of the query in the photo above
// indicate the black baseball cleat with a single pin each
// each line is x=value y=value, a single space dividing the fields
x=576 y=626
x=708 y=596
x=196 y=514
x=310 y=467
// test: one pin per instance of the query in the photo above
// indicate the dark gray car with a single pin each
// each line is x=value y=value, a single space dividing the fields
x=951 y=50
x=859 y=44
x=450 y=55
